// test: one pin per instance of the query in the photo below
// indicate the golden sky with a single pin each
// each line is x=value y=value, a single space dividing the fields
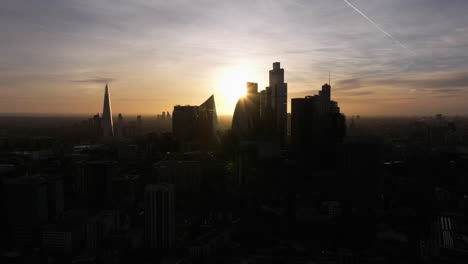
x=394 y=57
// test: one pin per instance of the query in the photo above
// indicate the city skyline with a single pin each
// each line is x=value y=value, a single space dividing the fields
x=247 y=131
x=385 y=57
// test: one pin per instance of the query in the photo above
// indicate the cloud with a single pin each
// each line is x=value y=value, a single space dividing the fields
x=447 y=82
x=348 y=84
x=357 y=93
x=438 y=82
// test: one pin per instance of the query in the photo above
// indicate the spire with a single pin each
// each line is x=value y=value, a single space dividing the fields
x=107 y=124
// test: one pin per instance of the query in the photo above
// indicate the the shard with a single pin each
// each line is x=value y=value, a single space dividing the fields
x=107 y=124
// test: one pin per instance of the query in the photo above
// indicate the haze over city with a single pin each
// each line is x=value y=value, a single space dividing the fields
x=385 y=57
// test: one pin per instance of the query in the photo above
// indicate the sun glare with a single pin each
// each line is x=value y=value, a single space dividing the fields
x=231 y=86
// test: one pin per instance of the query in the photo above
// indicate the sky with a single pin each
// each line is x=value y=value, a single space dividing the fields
x=386 y=57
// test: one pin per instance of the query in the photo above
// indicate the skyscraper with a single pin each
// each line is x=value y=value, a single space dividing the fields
x=279 y=101
x=120 y=125
x=317 y=126
x=196 y=127
x=246 y=119
x=159 y=216
x=211 y=119
x=107 y=124
x=263 y=115
x=139 y=126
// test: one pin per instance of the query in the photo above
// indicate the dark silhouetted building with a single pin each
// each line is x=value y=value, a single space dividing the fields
x=99 y=226
x=277 y=98
x=26 y=208
x=107 y=125
x=120 y=126
x=263 y=115
x=55 y=196
x=246 y=119
x=186 y=175
x=93 y=182
x=196 y=127
x=125 y=189
x=139 y=126
x=317 y=126
x=66 y=234
x=159 y=216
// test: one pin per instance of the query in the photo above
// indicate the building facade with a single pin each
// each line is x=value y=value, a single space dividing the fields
x=159 y=216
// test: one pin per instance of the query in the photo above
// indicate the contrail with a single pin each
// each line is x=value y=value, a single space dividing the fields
x=375 y=24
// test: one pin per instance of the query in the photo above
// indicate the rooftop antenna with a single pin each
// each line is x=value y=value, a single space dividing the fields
x=329 y=79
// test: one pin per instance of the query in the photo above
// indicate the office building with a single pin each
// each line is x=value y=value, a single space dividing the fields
x=93 y=181
x=278 y=98
x=186 y=175
x=55 y=195
x=262 y=116
x=159 y=216
x=246 y=119
x=120 y=126
x=26 y=208
x=317 y=125
x=196 y=127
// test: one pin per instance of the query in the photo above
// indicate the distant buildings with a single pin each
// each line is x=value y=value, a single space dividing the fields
x=102 y=126
x=163 y=116
x=120 y=126
x=317 y=125
x=159 y=216
x=107 y=124
x=196 y=127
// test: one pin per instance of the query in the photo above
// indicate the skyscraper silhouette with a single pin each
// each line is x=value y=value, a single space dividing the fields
x=246 y=119
x=120 y=126
x=107 y=124
x=195 y=127
x=279 y=99
x=263 y=115
x=317 y=125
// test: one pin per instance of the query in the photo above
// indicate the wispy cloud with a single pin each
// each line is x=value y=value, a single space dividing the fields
x=451 y=82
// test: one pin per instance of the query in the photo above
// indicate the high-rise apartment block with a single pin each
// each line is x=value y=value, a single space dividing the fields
x=159 y=216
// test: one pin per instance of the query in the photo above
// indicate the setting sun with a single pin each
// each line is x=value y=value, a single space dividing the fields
x=230 y=86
